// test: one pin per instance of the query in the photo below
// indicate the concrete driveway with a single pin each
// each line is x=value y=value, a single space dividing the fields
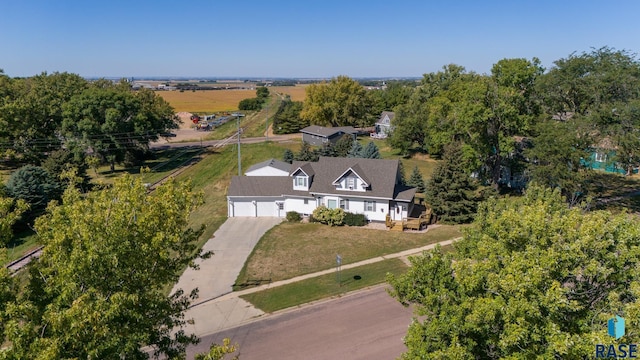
x=231 y=245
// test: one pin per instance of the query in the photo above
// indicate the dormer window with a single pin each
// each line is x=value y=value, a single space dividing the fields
x=351 y=183
x=300 y=181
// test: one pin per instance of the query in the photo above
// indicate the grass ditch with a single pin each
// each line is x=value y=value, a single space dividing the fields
x=324 y=286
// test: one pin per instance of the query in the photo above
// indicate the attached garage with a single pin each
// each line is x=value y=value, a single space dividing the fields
x=253 y=208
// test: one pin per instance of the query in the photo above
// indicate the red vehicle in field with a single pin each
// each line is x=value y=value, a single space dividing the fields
x=195 y=118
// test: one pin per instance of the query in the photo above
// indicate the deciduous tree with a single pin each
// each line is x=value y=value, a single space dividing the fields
x=98 y=290
x=532 y=278
x=340 y=102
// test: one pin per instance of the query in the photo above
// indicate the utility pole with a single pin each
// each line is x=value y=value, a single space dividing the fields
x=266 y=123
x=239 y=160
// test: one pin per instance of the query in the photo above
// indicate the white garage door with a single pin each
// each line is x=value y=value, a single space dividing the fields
x=266 y=208
x=243 y=208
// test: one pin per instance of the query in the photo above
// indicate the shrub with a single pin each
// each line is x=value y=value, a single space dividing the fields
x=352 y=219
x=331 y=217
x=293 y=216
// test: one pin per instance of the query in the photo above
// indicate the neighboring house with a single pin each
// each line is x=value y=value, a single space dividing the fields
x=383 y=126
x=364 y=186
x=602 y=157
x=270 y=167
x=320 y=135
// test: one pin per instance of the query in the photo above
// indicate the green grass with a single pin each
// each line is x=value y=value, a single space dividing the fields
x=20 y=244
x=292 y=249
x=425 y=164
x=324 y=286
x=167 y=161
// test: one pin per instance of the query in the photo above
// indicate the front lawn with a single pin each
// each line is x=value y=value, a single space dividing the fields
x=293 y=249
x=323 y=286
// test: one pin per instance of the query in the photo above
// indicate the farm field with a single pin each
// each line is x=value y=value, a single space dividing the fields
x=297 y=93
x=206 y=101
x=211 y=101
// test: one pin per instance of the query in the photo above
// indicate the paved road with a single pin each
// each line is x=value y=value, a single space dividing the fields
x=364 y=325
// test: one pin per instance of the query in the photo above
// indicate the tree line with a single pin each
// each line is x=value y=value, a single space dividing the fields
x=541 y=123
x=46 y=113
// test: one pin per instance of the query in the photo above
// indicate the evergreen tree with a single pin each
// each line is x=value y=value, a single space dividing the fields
x=370 y=151
x=343 y=145
x=403 y=177
x=416 y=180
x=450 y=191
x=326 y=150
x=306 y=154
x=288 y=156
x=356 y=150
x=36 y=187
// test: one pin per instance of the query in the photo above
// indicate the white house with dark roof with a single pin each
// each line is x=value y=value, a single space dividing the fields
x=271 y=167
x=364 y=186
x=320 y=135
x=383 y=125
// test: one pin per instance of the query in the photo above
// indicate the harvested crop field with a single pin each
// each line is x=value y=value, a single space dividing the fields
x=206 y=101
x=211 y=101
x=297 y=93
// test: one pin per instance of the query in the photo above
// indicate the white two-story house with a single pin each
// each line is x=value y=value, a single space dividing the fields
x=364 y=186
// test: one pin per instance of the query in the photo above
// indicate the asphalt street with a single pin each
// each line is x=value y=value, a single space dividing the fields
x=367 y=325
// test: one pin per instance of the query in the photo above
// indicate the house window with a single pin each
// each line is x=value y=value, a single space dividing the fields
x=331 y=203
x=319 y=201
x=601 y=157
x=369 y=206
x=301 y=181
x=344 y=204
x=306 y=201
x=351 y=183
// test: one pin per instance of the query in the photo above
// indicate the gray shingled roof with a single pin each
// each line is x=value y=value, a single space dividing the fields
x=328 y=131
x=391 y=115
x=381 y=174
x=281 y=165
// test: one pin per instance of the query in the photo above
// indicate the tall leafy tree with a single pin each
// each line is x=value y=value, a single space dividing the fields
x=340 y=102
x=450 y=191
x=117 y=123
x=10 y=212
x=97 y=291
x=557 y=157
x=511 y=290
x=31 y=112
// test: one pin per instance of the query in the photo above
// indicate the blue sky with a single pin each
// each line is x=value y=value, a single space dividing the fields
x=305 y=38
